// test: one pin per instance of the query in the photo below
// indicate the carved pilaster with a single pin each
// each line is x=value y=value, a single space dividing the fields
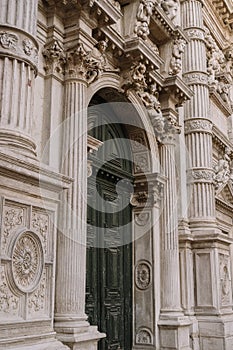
x=70 y=319
x=18 y=63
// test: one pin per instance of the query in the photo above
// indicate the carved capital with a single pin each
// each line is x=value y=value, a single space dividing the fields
x=54 y=56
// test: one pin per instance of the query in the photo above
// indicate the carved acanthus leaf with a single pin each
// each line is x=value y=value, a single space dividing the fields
x=54 y=58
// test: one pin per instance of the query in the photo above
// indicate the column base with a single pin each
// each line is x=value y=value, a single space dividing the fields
x=174 y=332
x=17 y=143
x=42 y=342
x=82 y=341
x=216 y=332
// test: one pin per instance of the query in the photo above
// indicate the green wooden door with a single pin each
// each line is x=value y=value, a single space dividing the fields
x=109 y=255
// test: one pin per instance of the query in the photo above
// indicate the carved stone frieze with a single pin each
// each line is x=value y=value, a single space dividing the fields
x=143 y=275
x=198 y=125
x=195 y=33
x=27 y=261
x=16 y=43
x=202 y=175
x=176 y=60
x=144 y=336
x=196 y=78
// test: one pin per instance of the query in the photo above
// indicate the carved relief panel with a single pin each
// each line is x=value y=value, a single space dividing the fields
x=27 y=258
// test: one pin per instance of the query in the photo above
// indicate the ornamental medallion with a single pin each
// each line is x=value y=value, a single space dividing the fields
x=27 y=261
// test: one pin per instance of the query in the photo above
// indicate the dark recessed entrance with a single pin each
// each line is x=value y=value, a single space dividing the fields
x=109 y=251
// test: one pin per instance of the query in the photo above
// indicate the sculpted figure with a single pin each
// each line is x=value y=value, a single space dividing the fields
x=223 y=90
x=135 y=79
x=222 y=170
x=145 y=11
x=170 y=7
x=216 y=58
x=176 y=62
x=150 y=100
x=96 y=61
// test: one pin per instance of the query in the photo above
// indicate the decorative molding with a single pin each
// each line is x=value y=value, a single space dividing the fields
x=195 y=33
x=27 y=261
x=143 y=275
x=202 y=175
x=196 y=78
x=198 y=125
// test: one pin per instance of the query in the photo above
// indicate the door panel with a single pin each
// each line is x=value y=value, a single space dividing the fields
x=108 y=291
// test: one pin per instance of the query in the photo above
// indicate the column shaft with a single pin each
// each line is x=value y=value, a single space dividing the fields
x=71 y=259
x=18 y=65
x=198 y=126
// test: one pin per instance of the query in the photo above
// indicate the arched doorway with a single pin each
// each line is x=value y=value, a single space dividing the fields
x=109 y=216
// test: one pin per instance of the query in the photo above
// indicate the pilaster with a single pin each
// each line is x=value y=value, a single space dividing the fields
x=18 y=67
x=70 y=319
x=174 y=326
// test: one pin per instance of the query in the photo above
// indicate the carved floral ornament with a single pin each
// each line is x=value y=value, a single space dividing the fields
x=144 y=336
x=145 y=11
x=27 y=261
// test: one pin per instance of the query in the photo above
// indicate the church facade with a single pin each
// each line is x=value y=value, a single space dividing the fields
x=116 y=168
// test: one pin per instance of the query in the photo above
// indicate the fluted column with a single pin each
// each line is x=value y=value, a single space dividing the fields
x=170 y=280
x=18 y=66
x=70 y=319
x=198 y=126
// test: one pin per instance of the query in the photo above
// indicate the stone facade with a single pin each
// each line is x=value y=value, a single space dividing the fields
x=164 y=69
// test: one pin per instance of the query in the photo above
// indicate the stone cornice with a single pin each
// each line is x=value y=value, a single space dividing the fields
x=223 y=106
x=220 y=139
x=32 y=172
x=105 y=12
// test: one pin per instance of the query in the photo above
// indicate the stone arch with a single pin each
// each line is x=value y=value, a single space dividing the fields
x=140 y=127
x=145 y=202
